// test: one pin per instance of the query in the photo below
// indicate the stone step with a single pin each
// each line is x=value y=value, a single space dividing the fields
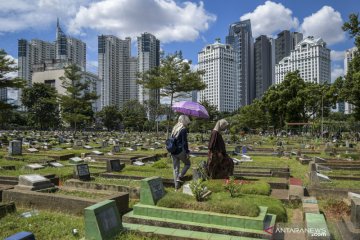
x=281 y=194
x=130 y=218
x=251 y=174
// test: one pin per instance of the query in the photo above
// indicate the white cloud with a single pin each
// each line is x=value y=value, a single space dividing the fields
x=337 y=55
x=17 y=15
x=166 y=19
x=270 y=18
x=12 y=75
x=336 y=71
x=325 y=23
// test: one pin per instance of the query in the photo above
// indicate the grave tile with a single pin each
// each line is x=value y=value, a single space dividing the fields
x=184 y=216
x=139 y=210
x=218 y=219
x=182 y=233
x=200 y=235
x=201 y=218
x=235 y=222
x=154 y=212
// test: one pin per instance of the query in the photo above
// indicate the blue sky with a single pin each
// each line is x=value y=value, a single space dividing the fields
x=180 y=25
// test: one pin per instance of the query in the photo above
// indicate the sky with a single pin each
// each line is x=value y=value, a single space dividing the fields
x=180 y=25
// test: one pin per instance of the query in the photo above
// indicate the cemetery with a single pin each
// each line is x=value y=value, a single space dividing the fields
x=127 y=179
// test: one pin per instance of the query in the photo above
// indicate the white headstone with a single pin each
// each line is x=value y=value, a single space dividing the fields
x=33 y=182
x=187 y=189
x=34 y=166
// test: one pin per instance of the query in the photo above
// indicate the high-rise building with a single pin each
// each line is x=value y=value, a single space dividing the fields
x=3 y=94
x=240 y=38
x=70 y=49
x=262 y=64
x=116 y=70
x=349 y=55
x=285 y=42
x=311 y=58
x=148 y=58
x=66 y=49
x=133 y=86
x=217 y=60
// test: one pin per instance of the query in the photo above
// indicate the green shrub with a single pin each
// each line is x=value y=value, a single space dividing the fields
x=274 y=206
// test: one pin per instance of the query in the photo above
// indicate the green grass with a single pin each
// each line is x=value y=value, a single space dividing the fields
x=53 y=225
x=226 y=205
x=341 y=184
x=118 y=182
x=248 y=187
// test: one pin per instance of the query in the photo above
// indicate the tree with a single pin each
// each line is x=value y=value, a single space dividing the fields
x=42 y=106
x=134 y=115
x=351 y=86
x=250 y=117
x=110 y=117
x=202 y=125
x=76 y=103
x=174 y=77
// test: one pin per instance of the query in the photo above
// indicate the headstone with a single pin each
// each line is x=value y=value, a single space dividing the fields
x=104 y=144
x=97 y=153
x=88 y=147
x=355 y=212
x=187 y=189
x=353 y=195
x=116 y=148
x=102 y=220
x=32 y=150
x=15 y=148
x=323 y=177
x=244 y=150
x=134 y=147
x=21 y=236
x=237 y=149
x=78 y=143
x=33 y=182
x=34 y=166
x=138 y=163
x=82 y=172
x=114 y=165
x=151 y=191
x=56 y=164
x=76 y=160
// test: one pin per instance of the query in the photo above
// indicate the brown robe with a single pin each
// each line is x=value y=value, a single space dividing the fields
x=219 y=164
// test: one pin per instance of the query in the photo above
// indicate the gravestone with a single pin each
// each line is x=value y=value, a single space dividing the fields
x=76 y=160
x=78 y=143
x=88 y=147
x=102 y=221
x=355 y=212
x=114 y=165
x=116 y=148
x=82 y=172
x=244 y=150
x=152 y=190
x=104 y=144
x=15 y=148
x=33 y=182
x=56 y=164
x=34 y=166
x=32 y=150
x=237 y=149
x=134 y=147
x=97 y=153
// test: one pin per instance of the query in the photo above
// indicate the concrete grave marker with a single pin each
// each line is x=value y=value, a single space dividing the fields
x=82 y=172
x=32 y=150
x=102 y=220
x=116 y=148
x=56 y=164
x=152 y=190
x=114 y=165
x=97 y=153
x=355 y=212
x=88 y=147
x=33 y=182
x=15 y=148
x=34 y=166
x=76 y=160
x=104 y=144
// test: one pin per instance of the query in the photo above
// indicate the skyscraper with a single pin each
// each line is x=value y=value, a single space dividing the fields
x=349 y=55
x=148 y=58
x=217 y=60
x=262 y=64
x=285 y=42
x=116 y=70
x=240 y=38
x=311 y=58
x=70 y=49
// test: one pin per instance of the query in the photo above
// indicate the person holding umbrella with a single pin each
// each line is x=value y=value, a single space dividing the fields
x=219 y=164
x=182 y=153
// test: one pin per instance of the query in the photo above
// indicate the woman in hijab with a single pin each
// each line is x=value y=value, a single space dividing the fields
x=219 y=164
x=182 y=153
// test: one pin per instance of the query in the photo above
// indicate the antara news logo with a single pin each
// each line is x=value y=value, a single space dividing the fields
x=313 y=232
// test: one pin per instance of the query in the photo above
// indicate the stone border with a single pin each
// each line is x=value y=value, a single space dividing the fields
x=330 y=192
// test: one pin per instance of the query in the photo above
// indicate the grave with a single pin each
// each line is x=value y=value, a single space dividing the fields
x=21 y=236
x=102 y=221
x=81 y=171
x=55 y=164
x=33 y=182
x=152 y=190
x=88 y=147
x=191 y=224
x=97 y=153
x=104 y=144
x=32 y=150
x=316 y=227
x=34 y=166
x=114 y=165
x=116 y=149
x=15 y=148
x=76 y=160
x=350 y=228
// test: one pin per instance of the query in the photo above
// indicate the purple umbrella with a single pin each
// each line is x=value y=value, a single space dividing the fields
x=191 y=108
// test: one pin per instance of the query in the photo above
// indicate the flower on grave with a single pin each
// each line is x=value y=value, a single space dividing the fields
x=233 y=186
